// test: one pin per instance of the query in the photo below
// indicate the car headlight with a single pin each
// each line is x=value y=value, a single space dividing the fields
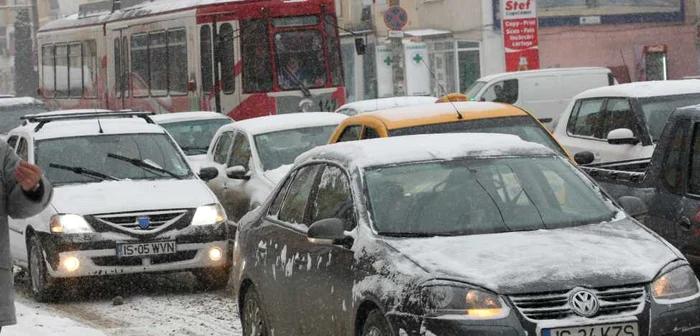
x=676 y=284
x=69 y=224
x=209 y=215
x=448 y=299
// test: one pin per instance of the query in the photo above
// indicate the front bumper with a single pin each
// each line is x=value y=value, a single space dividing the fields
x=97 y=252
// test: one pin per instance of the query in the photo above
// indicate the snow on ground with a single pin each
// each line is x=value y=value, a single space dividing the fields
x=33 y=321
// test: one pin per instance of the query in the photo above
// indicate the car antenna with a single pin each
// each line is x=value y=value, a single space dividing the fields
x=99 y=124
x=449 y=100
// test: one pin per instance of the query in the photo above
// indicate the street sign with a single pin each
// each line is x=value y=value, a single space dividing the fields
x=396 y=34
x=395 y=18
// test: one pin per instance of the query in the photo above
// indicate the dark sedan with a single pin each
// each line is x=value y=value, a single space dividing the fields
x=460 y=234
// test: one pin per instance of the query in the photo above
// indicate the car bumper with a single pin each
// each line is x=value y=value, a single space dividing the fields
x=97 y=253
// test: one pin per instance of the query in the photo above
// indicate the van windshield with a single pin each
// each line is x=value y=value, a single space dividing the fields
x=474 y=90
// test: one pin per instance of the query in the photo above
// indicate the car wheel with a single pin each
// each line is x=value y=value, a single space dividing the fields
x=41 y=283
x=252 y=317
x=212 y=278
x=376 y=325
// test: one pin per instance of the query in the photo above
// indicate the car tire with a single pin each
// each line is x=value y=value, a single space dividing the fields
x=212 y=278
x=41 y=284
x=253 y=318
x=376 y=325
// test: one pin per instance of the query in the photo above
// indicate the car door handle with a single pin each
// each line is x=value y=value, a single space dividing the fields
x=685 y=224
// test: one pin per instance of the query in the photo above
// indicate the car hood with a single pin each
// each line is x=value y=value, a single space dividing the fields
x=197 y=161
x=600 y=255
x=124 y=196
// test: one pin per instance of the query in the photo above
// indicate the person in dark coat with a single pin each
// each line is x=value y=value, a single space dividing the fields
x=25 y=193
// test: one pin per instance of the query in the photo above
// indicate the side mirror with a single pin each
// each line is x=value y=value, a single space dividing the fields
x=208 y=174
x=327 y=232
x=545 y=120
x=360 y=46
x=237 y=173
x=584 y=158
x=622 y=136
x=634 y=206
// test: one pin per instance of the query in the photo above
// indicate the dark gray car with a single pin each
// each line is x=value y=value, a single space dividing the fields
x=459 y=234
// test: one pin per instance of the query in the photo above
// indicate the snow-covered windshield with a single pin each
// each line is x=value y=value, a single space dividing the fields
x=474 y=89
x=280 y=148
x=93 y=153
x=194 y=137
x=481 y=196
x=10 y=114
x=300 y=59
x=524 y=127
x=657 y=110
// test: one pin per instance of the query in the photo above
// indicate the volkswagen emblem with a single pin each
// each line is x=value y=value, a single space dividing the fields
x=144 y=222
x=584 y=303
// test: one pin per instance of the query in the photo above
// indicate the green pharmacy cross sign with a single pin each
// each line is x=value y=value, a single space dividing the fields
x=418 y=59
x=387 y=61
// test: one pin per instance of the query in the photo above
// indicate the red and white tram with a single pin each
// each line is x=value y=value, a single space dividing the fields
x=244 y=58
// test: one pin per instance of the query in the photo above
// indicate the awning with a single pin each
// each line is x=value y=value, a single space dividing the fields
x=428 y=33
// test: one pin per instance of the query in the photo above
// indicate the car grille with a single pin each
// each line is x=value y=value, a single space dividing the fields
x=129 y=221
x=555 y=305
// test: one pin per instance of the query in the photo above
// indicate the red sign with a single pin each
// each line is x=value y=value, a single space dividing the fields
x=395 y=18
x=520 y=34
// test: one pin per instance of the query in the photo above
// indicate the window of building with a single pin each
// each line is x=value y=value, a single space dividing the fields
x=48 y=76
x=255 y=40
x=117 y=66
x=177 y=62
x=61 y=63
x=468 y=64
x=158 y=60
x=228 y=59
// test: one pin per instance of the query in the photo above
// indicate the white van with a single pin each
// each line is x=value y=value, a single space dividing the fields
x=545 y=93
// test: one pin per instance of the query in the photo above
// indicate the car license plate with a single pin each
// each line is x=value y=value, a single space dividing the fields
x=620 y=329
x=146 y=249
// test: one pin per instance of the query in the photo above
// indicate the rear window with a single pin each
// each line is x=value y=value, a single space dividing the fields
x=525 y=127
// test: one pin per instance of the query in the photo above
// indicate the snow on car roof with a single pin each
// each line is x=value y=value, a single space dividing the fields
x=645 y=89
x=187 y=116
x=284 y=122
x=542 y=72
x=417 y=148
x=77 y=128
x=387 y=103
x=8 y=102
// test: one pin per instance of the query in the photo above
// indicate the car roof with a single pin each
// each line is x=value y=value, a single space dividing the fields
x=542 y=72
x=418 y=148
x=437 y=114
x=17 y=101
x=387 y=103
x=644 y=89
x=90 y=127
x=284 y=122
x=165 y=118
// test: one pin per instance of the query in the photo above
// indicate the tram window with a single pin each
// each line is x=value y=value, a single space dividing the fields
x=139 y=64
x=125 y=66
x=117 y=66
x=48 y=75
x=158 y=55
x=90 y=69
x=257 y=74
x=298 y=55
x=228 y=62
x=205 y=49
x=177 y=62
x=334 y=51
x=61 y=70
x=75 y=72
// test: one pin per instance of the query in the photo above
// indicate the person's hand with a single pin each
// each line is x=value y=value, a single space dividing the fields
x=27 y=175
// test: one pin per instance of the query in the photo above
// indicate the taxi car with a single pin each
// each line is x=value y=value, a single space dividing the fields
x=447 y=116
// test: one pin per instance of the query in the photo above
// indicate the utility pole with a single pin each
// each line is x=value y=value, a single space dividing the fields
x=396 y=19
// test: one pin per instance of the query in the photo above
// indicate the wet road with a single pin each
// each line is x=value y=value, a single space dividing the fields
x=167 y=304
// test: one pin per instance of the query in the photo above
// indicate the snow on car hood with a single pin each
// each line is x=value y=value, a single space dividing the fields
x=197 y=161
x=600 y=255
x=276 y=175
x=125 y=196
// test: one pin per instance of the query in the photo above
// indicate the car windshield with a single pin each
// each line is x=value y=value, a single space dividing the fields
x=525 y=127
x=481 y=196
x=278 y=149
x=10 y=114
x=92 y=152
x=474 y=90
x=195 y=136
x=657 y=110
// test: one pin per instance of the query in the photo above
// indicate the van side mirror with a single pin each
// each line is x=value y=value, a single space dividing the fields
x=329 y=231
x=208 y=174
x=237 y=173
x=622 y=136
x=584 y=158
x=634 y=206
x=360 y=46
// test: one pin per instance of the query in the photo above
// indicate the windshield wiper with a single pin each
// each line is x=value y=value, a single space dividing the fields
x=85 y=172
x=145 y=165
x=304 y=89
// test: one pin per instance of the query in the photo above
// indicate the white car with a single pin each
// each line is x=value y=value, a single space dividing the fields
x=193 y=131
x=622 y=122
x=125 y=201
x=365 y=106
x=254 y=154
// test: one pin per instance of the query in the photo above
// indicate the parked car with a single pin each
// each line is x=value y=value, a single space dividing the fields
x=668 y=183
x=545 y=92
x=453 y=234
x=252 y=155
x=11 y=109
x=125 y=201
x=193 y=131
x=455 y=117
x=623 y=122
x=370 y=105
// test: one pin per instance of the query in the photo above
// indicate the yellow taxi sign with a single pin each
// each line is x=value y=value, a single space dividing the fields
x=453 y=97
